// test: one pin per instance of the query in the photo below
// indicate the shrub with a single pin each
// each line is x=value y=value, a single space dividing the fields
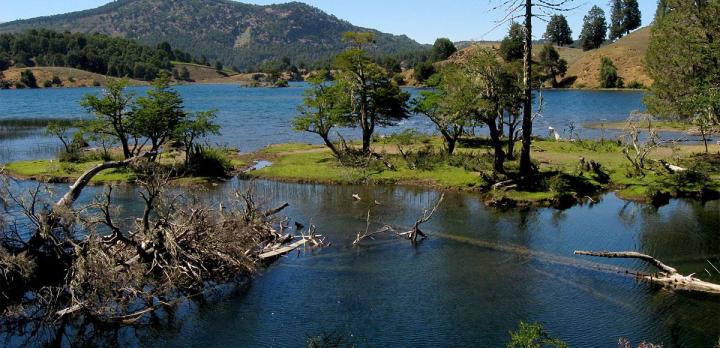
x=609 y=77
x=56 y=80
x=27 y=78
x=210 y=163
x=96 y=83
x=634 y=84
x=423 y=71
x=47 y=84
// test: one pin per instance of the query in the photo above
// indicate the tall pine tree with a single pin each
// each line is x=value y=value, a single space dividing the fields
x=558 y=31
x=594 y=29
x=631 y=15
x=617 y=16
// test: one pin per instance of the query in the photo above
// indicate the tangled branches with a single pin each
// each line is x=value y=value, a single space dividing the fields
x=64 y=269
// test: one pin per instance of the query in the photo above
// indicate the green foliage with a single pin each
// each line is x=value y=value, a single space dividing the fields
x=635 y=84
x=209 y=162
x=158 y=115
x=112 y=115
x=56 y=80
x=533 y=336
x=558 y=31
x=551 y=64
x=218 y=66
x=97 y=53
x=512 y=46
x=617 y=30
x=632 y=18
x=185 y=74
x=594 y=29
x=372 y=99
x=323 y=108
x=442 y=49
x=27 y=78
x=682 y=59
x=47 y=84
x=423 y=71
x=608 y=75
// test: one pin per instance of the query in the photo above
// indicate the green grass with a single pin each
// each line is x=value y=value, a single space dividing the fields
x=53 y=170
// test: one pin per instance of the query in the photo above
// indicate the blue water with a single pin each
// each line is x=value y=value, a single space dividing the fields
x=252 y=118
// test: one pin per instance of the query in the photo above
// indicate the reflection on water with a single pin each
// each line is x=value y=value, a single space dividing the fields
x=481 y=271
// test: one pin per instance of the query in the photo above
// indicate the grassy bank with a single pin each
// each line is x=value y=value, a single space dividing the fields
x=561 y=175
x=53 y=170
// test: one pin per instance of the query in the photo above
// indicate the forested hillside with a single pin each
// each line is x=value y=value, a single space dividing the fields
x=239 y=35
x=95 y=53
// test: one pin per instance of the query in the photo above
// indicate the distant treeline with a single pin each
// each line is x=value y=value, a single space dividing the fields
x=96 y=53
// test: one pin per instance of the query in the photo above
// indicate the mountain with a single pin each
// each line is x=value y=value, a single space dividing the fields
x=237 y=34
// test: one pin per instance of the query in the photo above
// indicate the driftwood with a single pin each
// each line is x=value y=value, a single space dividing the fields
x=426 y=216
x=76 y=188
x=668 y=277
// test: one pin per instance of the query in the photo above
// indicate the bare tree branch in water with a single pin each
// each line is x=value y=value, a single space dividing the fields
x=413 y=234
x=66 y=272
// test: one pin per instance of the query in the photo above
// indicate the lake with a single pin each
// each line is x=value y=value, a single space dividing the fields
x=252 y=118
x=481 y=271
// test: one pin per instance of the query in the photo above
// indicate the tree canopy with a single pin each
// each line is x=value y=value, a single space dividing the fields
x=96 y=53
x=442 y=49
x=594 y=29
x=617 y=30
x=683 y=59
x=513 y=45
x=609 y=77
x=625 y=17
x=558 y=31
x=552 y=65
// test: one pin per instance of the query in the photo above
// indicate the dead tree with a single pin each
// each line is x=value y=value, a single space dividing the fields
x=635 y=150
x=668 y=277
x=413 y=234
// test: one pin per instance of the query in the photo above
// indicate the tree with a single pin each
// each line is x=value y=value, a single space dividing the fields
x=185 y=74
x=27 y=78
x=441 y=107
x=194 y=127
x=60 y=129
x=512 y=46
x=594 y=29
x=157 y=115
x=218 y=66
x=112 y=116
x=322 y=109
x=683 y=59
x=617 y=17
x=558 y=31
x=374 y=98
x=552 y=65
x=608 y=74
x=533 y=336
x=423 y=71
x=442 y=49
x=632 y=18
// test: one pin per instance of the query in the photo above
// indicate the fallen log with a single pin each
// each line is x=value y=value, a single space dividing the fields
x=668 y=277
x=283 y=249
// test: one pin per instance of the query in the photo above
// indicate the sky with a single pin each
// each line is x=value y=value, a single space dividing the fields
x=421 y=20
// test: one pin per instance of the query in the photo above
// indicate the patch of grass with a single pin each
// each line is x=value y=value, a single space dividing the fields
x=289 y=147
x=51 y=170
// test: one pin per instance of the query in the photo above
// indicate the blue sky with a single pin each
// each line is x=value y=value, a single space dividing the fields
x=422 y=20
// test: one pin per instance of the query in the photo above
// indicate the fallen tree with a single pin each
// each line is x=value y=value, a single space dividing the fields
x=68 y=274
x=668 y=277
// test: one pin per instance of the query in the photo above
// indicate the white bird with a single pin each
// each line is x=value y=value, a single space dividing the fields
x=356 y=196
x=553 y=133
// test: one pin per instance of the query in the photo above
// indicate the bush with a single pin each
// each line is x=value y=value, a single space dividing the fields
x=96 y=83
x=47 y=84
x=72 y=156
x=423 y=72
x=210 y=163
x=609 y=77
x=634 y=84
x=56 y=80
x=27 y=78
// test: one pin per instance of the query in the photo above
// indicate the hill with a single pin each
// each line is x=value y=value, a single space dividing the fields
x=68 y=77
x=627 y=54
x=237 y=34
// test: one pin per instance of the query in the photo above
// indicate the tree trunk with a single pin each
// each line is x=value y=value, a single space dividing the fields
x=499 y=158
x=330 y=145
x=367 y=136
x=525 y=164
x=451 y=145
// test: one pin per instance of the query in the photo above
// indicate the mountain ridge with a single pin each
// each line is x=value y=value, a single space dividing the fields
x=235 y=33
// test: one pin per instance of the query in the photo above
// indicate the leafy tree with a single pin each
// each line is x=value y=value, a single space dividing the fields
x=113 y=117
x=608 y=74
x=683 y=60
x=594 y=29
x=442 y=49
x=194 y=127
x=423 y=71
x=323 y=108
x=374 y=98
x=440 y=106
x=558 y=31
x=552 y=65
x=632 y=18
x=533 y=336
x=60 y=130
x=27 y=78
x=4 y=61
x=512 y=46
x=617 y=17
x=157 y=116
x=218 y=66
x=56 y=80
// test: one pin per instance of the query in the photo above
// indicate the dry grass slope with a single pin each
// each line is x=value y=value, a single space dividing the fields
x=70 y=77
x=627 y=54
